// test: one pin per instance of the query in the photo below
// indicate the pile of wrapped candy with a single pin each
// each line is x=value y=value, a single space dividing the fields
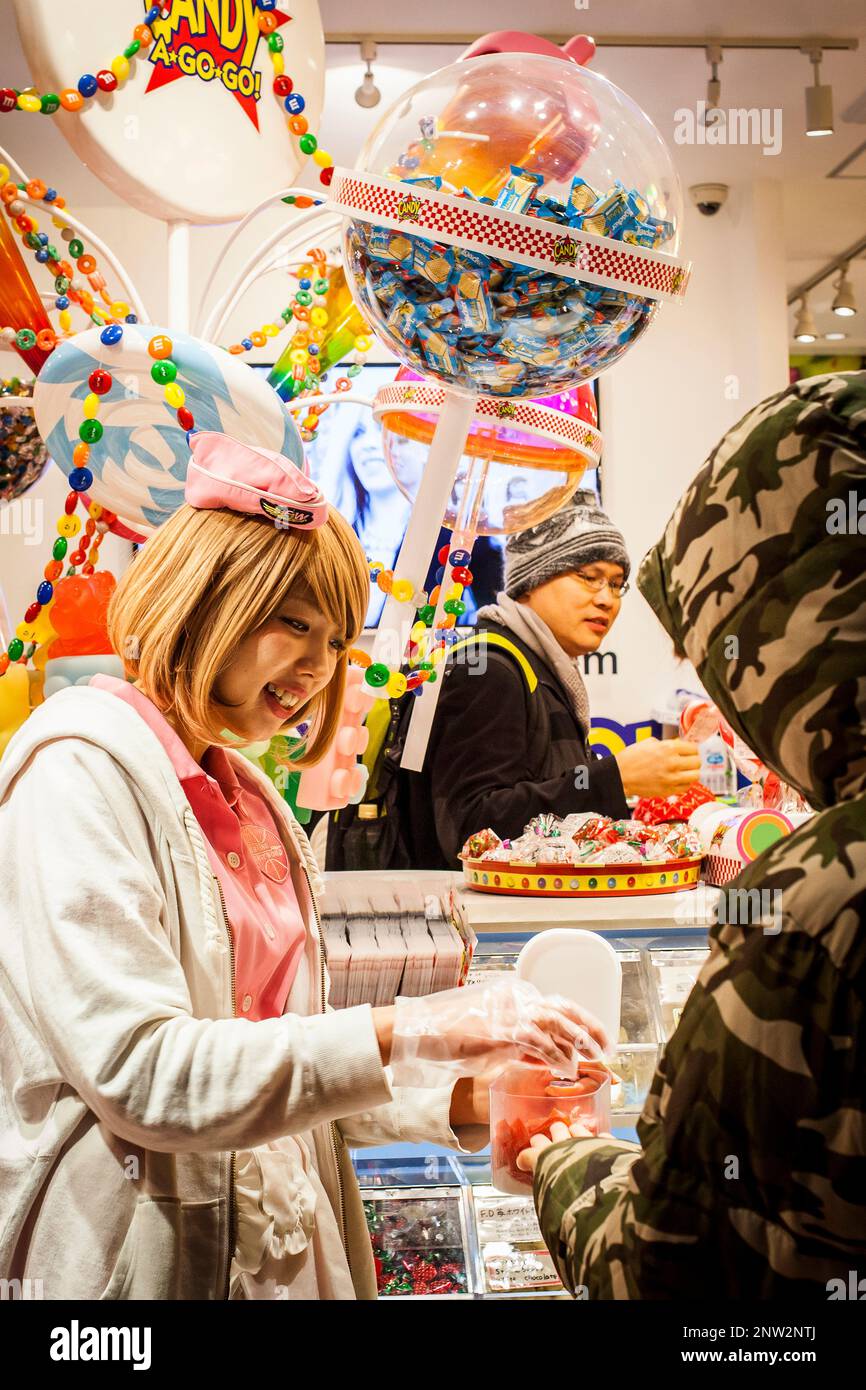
x=499 y=325
x=653 y=810
x=23 y=456
x=587 y=839
x=416 y=1252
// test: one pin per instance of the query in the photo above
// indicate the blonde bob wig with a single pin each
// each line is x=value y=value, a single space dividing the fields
x=206 y=580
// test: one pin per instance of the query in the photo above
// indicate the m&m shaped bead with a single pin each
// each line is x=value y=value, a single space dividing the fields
x=160 y=346
x=99 y=382
x=377 y=674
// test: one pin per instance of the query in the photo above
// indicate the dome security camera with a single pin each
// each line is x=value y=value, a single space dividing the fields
x=709 y=197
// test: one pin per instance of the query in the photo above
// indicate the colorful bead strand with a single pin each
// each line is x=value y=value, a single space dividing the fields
x=106 y=79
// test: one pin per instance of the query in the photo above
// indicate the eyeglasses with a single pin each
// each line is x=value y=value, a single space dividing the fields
x=595 y=584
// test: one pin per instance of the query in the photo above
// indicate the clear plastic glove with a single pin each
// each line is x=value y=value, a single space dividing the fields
x=461 y=1032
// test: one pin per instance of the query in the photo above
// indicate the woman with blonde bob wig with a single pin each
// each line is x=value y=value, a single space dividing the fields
x=176 y=1100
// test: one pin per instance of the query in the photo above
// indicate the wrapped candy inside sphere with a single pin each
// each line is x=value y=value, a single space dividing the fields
x=513 y=225
x=521 y=462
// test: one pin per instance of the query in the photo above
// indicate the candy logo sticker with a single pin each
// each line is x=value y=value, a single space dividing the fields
x=409 y=208
x=212 y=40
x=565 y=250
x=286 y=516
x=506 y=410
x=677 y=279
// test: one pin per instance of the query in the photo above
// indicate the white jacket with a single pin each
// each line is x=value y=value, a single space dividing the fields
x=125 y=1080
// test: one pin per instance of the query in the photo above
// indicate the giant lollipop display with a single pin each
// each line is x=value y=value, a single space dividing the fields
x=488 y=263
x=153 y=388
x=521 y=462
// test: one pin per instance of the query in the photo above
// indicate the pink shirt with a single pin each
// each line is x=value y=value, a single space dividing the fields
x=248 y=858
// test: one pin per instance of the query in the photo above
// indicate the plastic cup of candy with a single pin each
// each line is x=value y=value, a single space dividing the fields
x=527 y=1100
x=558 y=211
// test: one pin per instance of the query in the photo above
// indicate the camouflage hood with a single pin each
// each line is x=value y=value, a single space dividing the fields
x=760 y=577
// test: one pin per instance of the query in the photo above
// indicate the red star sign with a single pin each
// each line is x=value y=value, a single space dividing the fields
x=226 y=30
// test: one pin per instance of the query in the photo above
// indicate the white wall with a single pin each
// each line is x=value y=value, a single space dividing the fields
x=698 y=369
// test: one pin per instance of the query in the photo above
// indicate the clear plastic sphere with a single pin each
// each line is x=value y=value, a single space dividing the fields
x=535 y=135
x=508 y=479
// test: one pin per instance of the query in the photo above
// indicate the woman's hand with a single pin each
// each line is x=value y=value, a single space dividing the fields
x=383 y=1022
x=466 y=1031
x=470 y=1099
x=659 y=767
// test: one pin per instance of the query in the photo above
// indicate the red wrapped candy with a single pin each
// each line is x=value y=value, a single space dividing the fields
x=657 y=809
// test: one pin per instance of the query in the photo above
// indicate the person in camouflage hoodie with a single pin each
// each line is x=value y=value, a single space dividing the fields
x=750 y=1177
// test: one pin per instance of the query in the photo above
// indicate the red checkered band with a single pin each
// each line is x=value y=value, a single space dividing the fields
x=718 y=869
x=511 y=236
x=530 y=416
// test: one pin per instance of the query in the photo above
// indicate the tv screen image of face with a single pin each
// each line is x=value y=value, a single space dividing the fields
x=347 y=461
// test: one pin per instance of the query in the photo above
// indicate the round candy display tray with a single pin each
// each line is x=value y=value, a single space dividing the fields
x=579 y=881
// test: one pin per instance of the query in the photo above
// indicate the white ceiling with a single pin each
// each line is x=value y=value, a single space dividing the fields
x=822 y=216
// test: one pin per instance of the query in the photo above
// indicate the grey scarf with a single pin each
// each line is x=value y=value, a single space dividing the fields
x=525 y=623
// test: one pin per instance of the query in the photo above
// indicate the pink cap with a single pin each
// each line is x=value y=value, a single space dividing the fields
x=223 y=472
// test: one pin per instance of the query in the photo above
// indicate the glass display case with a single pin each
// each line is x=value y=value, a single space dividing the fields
x=439 y=1227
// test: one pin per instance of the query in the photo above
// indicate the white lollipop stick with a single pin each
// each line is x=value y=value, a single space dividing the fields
x=437 y=481
x=462 y=538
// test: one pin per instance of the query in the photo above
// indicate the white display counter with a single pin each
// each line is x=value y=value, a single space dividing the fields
x=493 y=912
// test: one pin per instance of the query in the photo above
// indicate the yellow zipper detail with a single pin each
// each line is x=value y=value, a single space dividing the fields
x=233 y=1156
x=332 y=1128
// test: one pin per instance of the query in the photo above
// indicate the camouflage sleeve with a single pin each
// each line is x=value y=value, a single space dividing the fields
x=754 y=1132
x=581 y=1196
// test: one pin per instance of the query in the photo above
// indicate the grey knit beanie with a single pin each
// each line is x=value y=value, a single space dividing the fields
x=580 y=533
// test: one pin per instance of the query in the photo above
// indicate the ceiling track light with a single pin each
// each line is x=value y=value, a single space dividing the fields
x=844 y=304
x=819 y=99
x=804 y=325
x=368 y=94
x=714 y=86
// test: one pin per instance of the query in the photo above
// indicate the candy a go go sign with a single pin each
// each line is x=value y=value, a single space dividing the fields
x=196 y=131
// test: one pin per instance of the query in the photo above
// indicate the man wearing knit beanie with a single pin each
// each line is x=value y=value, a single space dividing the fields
x=511 y=734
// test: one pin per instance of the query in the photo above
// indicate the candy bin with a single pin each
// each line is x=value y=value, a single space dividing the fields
x=521 y=462
x=486 y=262
x=477 y=251
x=527 y=1100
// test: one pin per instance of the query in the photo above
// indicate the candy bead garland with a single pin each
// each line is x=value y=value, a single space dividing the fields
x=310 y=312
x=85 y=557
x=107 y=80
x=70 y=289
x=424 y=654
x=164 y=372
x=293 y=102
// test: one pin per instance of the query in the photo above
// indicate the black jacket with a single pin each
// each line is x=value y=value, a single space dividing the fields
x=498 y=755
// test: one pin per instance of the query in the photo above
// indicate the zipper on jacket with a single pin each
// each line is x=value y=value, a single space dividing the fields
x=332 y=1128
x=232 y=1234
